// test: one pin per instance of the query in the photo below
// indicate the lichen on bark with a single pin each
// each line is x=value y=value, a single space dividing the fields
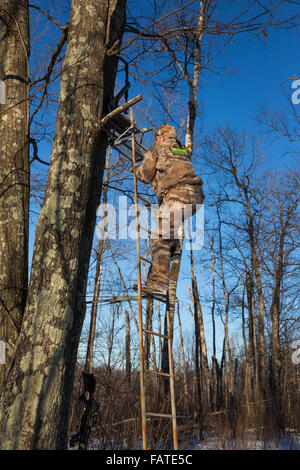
x=35 y=402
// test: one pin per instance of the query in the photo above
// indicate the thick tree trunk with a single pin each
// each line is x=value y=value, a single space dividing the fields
x=36 y=400
x=14 y=171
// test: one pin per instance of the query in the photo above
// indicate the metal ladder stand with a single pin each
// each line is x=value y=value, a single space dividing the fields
x=142 y=330
x=120 y=140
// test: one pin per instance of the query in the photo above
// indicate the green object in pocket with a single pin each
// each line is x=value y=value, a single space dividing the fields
x=179 y=151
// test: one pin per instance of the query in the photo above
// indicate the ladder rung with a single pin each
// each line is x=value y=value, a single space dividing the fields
x=117 y=299
x=146 y=259
x=160 y=415
x=156 y=334
x=157 y=372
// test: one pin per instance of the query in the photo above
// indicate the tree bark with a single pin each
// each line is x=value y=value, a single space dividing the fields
x=36 y=400
x=14 y=171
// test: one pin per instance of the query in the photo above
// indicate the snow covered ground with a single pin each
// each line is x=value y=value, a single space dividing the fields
x=291 y=442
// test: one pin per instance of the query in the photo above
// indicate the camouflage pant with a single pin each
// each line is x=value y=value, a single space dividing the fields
x=178 y=205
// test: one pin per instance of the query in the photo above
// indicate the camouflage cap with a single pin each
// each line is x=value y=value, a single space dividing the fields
x=166 y=130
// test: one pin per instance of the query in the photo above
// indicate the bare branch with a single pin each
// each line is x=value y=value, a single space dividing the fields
x=111 y=51
x=50 y=18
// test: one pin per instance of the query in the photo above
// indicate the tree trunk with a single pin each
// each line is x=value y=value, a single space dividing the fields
x=228 y=372
x=111 y=338
x=197 y=368
x=261 y=326
x=276 y=370
x=204 y=359
x=127 y=349
x=203 y=350
x=185 y=382
x=36 y=400
x=214 y=365
x=148 y=336
x=252 y=335
x=14 y=171
x=261 y=350
x=193 y=83
x=247 y=388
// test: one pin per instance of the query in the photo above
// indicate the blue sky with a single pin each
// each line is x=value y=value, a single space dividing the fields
x=262 y=68
x=256 y=68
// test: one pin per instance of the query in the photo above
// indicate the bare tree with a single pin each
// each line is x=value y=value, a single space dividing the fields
x=282 y=241
x=34 y=415
x=187 y=41
x=14 y=171
x=229 y=158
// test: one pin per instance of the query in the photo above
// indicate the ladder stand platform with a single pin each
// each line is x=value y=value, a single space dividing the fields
x=112 y=300
x=120 y=130
x=143 y=331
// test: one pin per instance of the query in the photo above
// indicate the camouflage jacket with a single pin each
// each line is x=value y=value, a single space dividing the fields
x=164 y=168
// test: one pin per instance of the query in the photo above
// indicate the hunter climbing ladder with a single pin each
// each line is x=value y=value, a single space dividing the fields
x=142 y=330
x=122 y=136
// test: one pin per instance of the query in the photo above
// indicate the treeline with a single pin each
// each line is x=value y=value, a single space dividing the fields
x=244 y=278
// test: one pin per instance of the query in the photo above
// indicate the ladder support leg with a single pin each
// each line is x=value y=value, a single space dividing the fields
x=138 y=246
x=142 y=330
x=172 y=385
